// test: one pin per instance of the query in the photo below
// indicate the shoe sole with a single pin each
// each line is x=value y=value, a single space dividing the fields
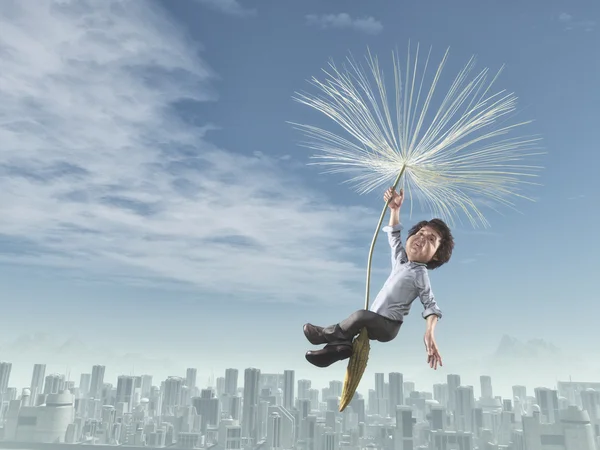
x=326 y=359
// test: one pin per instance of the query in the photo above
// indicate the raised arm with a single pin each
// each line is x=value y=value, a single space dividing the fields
x=394 y=227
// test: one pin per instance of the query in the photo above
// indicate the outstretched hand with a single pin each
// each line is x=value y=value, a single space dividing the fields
x=395 y=199
x=433 y=355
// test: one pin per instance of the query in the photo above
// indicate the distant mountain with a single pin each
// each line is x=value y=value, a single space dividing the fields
x=511 y=347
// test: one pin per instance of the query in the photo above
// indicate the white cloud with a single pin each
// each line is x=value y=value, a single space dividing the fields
x=571 y=23
x=98 y=170
x=232 y=7
x=367 y=25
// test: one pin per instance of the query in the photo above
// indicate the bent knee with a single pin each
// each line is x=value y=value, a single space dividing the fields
x=362 y=314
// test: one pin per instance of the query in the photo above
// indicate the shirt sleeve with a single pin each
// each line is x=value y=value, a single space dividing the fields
x=395 y=241
x=426 y=295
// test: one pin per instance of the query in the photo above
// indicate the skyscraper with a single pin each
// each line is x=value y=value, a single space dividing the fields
x=403 y=435
x=5 y=369
x=486 y=387
x=303 y=389
x=207 y=406
x=453 y=382
x=381 y=406
x=146 y=385
x=288 y=389
x=54 y=383
x=465 y=405
x=37 y=381
x=396 y=382
x=547 y=400
x=173 y=388
x=125 y=386
x=85 y=381
x=335 y=388
x=440 y=393
x=190 y=379
x=220 y=386
x=274 y=432
x=250 y=402
x=97 y=381
x=231 y=382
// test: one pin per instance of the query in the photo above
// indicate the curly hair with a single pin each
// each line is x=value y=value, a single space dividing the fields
x=444 y=252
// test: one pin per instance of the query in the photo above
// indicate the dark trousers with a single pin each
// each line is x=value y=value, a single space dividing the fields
x=379 y=328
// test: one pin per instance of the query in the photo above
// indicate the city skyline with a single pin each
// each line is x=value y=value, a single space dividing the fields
x=534 y=363
x=253 y=409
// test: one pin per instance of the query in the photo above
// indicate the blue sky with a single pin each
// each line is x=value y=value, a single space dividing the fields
x=153 y=198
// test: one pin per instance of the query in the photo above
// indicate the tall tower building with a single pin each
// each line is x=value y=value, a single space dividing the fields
x=231 y=382
x=220 y=386
x=437 y=419
x=37 y=381
x=465 y=405
x=54 y=384
x=250 y=403
x=5 y=369
x=403 y=434
x=190 y=379
x=97 y=382
x=335 y=388
x=288 y=389
x=440 y=393
x=125 y=387
x=173 y=391
x=274 y=432
x=304 y=389
x=396 y=382
x=453 y=382
x=146 y=385
x=235 y=407
x=486 y=387
x=207 y=407
x=380 y=397
x=85 y=381
x=547 y=400
x=520 y=392
x=409 y=388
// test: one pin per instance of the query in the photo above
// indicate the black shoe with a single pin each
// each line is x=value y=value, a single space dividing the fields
x=314 y=334
x=329 y=354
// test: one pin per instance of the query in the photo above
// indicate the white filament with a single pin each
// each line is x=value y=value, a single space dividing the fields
x=453 y=155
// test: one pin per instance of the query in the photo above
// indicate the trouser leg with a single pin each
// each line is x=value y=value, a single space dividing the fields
x=379 y=328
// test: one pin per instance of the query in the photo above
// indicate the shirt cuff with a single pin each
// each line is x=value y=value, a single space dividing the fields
x=389 y=229
x=432 y=312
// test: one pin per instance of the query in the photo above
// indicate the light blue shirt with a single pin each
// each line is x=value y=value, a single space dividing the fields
x=407 y=281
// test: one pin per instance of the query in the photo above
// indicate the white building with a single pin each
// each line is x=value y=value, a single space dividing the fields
x=47 y=423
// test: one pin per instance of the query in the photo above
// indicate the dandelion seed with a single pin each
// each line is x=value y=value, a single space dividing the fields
x=455 y=157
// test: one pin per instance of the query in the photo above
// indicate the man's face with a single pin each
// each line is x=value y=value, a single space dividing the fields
x=421 y=247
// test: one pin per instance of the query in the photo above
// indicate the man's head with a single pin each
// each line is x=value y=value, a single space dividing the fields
x=430 y=242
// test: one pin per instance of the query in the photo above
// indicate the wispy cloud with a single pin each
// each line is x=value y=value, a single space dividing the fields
x=232 y=7
x=367 y=25
x=100 y=172
x=468 y=261
x=571 y=23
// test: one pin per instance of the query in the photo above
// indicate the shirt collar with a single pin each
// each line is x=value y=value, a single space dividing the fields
x=405 y=260
x=415 y=263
